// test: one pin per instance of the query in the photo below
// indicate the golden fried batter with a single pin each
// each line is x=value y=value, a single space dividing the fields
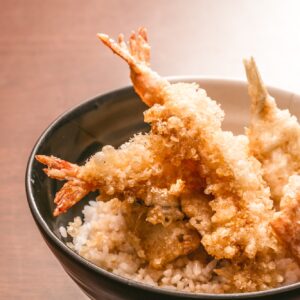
x=138 y=169
x=157 y=243
x=286 y=222
x=196 y=207
x=274 y=135
x=191 y=126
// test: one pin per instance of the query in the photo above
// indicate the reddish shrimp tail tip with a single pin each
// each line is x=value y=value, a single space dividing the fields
x=71 y=193
x=58 y=168
x=137 y=51
x=55 y=162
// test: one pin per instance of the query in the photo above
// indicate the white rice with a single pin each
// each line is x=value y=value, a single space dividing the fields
x=101 y=239
x=63 y=231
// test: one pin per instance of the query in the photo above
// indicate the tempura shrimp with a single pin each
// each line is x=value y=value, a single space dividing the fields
x=286 y=222
x=128 y=172
x=274 y=134
x=133 y=171
x=190 y=123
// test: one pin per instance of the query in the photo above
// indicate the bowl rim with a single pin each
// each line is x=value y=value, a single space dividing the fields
x=85 y=263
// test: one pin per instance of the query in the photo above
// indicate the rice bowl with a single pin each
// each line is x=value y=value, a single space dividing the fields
x=225 y=90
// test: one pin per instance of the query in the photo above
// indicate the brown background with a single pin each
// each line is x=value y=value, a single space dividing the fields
x=51 y=60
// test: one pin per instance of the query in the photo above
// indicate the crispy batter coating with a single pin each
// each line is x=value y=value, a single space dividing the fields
x=138 y=169
x=191 y=125
x=157 y=243
x=286 y=222
x=249 y=275
x=196 y=207
x=274 y=134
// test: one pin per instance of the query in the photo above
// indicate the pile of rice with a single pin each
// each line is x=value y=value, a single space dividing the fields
x=101 y=237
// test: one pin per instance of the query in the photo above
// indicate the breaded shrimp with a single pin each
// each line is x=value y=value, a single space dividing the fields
x=136 y=169
x=190 y=123
x=130 y=172
x=133 y=173
x=274 y=134
x=286 y=222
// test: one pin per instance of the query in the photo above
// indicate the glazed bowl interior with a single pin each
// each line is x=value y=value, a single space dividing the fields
x=112 y=119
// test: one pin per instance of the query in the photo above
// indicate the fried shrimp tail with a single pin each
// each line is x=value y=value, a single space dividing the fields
x=138 y=52
x=274 y=134
x=58 y=168
x=148 y=85
x=73 y=190
x=262 y=103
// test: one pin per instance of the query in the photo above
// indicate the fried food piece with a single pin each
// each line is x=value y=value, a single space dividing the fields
x=110 y=170
x=286 y=222
x=250 y=275
x=163 y=205
x=241 y=274
x=132 y=171
x=274 y=134
x=157 y=243
x=137 y=167
x=196 y=207
x=190 y=123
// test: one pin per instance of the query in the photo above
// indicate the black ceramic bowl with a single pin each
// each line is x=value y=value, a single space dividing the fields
x=111 y=119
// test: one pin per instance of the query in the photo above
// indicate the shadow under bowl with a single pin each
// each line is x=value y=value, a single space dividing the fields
x=112 y=119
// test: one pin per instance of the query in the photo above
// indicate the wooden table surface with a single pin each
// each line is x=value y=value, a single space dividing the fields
x=50 y=60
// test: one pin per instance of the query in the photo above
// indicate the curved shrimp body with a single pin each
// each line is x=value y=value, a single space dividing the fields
x=112 y=170
x=138 y=169
x=274 y=134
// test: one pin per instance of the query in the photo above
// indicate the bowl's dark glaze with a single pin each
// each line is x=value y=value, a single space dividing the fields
x=110 y=119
